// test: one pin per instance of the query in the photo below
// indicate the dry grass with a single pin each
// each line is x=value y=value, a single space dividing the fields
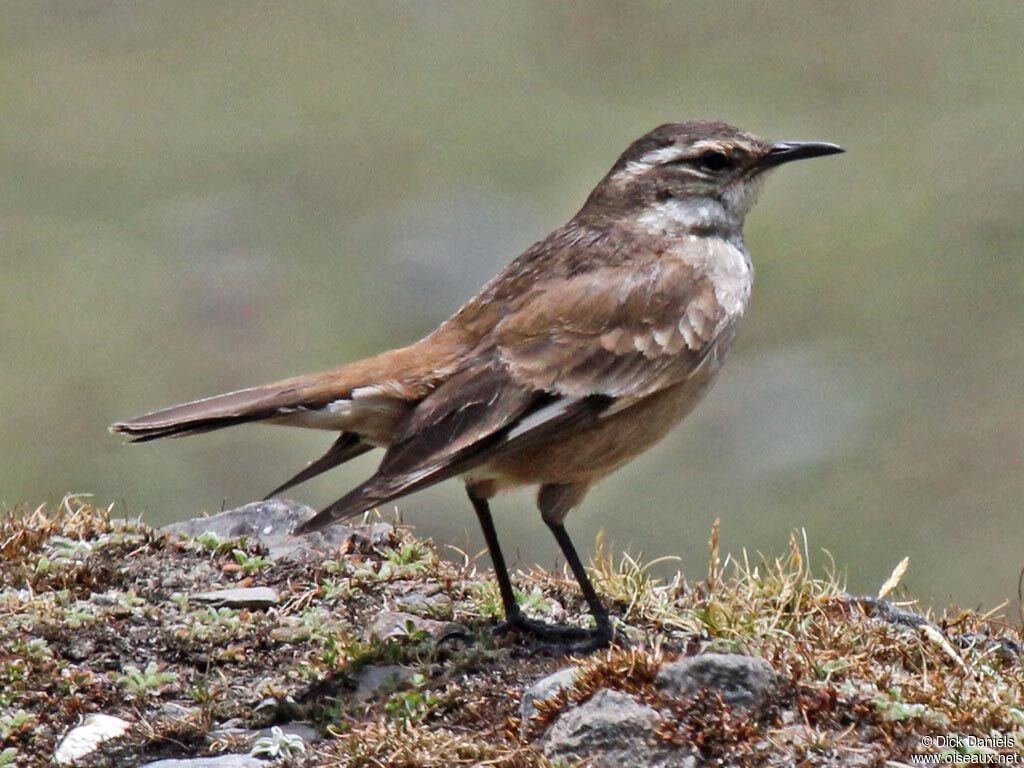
x=862 y=680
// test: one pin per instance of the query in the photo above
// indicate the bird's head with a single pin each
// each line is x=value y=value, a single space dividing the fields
x=698 y=176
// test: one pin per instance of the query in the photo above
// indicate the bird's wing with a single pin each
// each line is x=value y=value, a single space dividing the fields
x=578 y=346
x=615 y=332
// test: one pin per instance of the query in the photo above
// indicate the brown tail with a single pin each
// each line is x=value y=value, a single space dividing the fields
x=275 y=401
x=255 y=404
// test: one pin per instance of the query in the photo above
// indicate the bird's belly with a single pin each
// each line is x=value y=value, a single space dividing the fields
x=590 y=454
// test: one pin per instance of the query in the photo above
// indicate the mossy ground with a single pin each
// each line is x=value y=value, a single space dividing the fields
x=95 y=617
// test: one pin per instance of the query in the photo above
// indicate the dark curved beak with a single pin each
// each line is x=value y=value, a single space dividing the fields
x=787 y=151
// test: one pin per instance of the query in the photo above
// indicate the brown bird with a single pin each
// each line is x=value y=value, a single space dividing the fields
x=581 y=354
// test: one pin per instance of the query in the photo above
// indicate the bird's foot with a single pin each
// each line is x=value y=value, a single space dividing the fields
x=559 y=637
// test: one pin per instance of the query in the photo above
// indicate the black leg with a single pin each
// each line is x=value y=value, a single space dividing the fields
x=483 y=514
x=603 y=632
x=577 y=639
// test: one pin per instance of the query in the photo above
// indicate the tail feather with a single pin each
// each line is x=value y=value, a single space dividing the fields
x=406 y=372
x=211 y=413
x=347 y=446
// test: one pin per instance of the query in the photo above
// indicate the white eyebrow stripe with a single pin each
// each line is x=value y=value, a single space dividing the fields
x=651 y=159
x=673 y=152
x=635 y=168
x=661 y=155
x=711 y=144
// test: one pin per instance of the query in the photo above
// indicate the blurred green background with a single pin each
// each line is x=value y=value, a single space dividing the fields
x=202 y=196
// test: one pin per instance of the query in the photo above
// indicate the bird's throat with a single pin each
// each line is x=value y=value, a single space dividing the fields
x=721 y=214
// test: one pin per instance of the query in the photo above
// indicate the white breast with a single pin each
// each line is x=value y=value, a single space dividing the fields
x=727 y=264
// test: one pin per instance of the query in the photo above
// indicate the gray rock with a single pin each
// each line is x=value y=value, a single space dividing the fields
x=271 y=523
x=374 y=680
x=235 y=737
x=277 y=709
x=740 y=680
x=221 y=761
x=233 y=731
x=176 y=712
x=84 y=739
x=425 y=605
x=610 y=730
x=542 y=690
x=246 y=597
x=390 y=624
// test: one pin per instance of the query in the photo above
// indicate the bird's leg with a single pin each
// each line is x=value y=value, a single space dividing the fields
x=602 y=634
x=514 y=618
x=483 y=514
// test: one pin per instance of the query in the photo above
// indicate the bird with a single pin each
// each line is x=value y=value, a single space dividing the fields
x=581 y=354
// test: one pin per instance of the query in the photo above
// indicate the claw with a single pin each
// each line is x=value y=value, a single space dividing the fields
x=565 y=639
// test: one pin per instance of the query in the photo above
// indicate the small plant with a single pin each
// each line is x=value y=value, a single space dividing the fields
x=314 y=624
x=893 y=707
x=12 y=672
x=63 y=549
x=35 y=650
x=129 y=600
x=79 y=613
x=278 y=744
x=72 y=681
x=339 y=566
x=145 y=682
x=826 y=670
x=627 y=581
x=534 y=601
x=209 y=541
x=15 y=722
x=7 y=757
x=413 y=705
x=411 y=559
x=333 y=654
x=249 y=563
x=412 y=634
x=412 y=553
x=487 y=600
x=337 y=590
x=221 y=623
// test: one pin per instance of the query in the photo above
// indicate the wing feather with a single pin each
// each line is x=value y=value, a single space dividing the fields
x=572 y=348
x=598 y=334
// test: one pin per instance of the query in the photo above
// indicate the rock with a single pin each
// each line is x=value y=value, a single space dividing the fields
x=221 y=761
x=610 y=730
x=278 y=709
x=542 y=690
x=233 y=730
x=271 y=523
x=390 y=624
x=740 y=680
x=80 y=647
x=374 y=680
x=425 y=605
x=177 y=712
x=84 y=739
x=245 y=597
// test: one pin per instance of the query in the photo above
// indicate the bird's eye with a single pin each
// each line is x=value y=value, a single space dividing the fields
x=714 y=161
